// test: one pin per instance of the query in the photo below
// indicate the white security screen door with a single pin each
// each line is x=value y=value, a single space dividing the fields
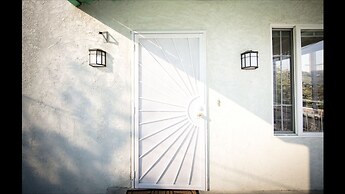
x=170 y=138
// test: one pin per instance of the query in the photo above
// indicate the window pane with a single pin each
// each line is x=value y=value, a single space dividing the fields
x=277 y=119
x=282 y=74
x=286 y=81
x=287 y=118
x=283 y=118
x=312 y=80
x=286 y=42
x=276 y=80
x=276 y=42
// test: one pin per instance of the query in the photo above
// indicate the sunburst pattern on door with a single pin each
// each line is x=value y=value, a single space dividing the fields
x=171 y=109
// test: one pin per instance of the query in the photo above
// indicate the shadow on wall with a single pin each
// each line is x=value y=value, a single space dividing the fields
x=76 y=142
x=53 y=162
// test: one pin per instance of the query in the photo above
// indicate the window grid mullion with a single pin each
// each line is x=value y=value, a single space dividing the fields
x=281 y=80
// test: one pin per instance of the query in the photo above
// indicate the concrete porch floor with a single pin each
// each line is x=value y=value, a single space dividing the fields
x=124 y=191
x=263 y=192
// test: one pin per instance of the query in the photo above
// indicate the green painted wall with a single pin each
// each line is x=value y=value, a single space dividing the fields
x=77 y=3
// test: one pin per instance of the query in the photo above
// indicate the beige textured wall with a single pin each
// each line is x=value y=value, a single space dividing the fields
x=77 y=119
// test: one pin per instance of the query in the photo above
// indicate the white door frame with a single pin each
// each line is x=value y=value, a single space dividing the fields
x=135 y=71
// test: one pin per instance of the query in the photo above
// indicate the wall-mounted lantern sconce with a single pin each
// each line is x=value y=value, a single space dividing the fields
x=249 y=60
x=97 y=58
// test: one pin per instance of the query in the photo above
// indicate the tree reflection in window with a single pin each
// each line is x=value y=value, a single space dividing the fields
x=312 y=80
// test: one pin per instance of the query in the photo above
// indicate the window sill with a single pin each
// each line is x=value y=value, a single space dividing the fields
x=314 y=134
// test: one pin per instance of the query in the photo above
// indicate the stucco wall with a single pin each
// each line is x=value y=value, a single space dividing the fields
x=77 y=119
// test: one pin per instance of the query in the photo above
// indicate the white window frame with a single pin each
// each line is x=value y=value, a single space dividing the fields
x=297 y=78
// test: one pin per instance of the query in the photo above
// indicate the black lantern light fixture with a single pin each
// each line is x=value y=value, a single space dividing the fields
x=249 y=60
x=97 y=58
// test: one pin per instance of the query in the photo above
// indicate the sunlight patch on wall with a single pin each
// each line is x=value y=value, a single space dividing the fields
x=244 y=150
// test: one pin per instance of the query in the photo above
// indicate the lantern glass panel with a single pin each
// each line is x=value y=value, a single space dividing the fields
x=253 y=61
x=99 y=57
x=247 y=64
x=92 y=57
x=103 y=58
x=242 y=61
